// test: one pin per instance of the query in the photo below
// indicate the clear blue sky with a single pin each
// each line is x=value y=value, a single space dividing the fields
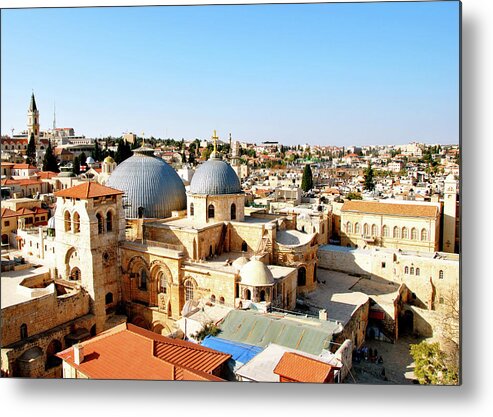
x=329 y=74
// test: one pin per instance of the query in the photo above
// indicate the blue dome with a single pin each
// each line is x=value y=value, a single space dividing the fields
x=215 y=177
x=150 y=183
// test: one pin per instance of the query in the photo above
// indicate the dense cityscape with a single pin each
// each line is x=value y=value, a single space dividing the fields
x=228 y=259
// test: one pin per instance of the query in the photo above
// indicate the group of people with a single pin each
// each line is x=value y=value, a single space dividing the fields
x=366 y=354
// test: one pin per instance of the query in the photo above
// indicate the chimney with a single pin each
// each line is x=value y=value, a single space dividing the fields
x=78 y=354
x=322 y=314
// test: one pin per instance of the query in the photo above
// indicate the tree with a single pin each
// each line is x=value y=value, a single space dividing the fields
x=369 y=183
x=76 y=166
x=307 y=179
x=96 y=152
x=31 y=150
x=82 y=158
x=49 y=161
x=209 y=329
x=354 y=196
x=431 y=365
x=123 y=151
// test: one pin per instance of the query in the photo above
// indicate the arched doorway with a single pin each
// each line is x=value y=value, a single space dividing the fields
x=53 y=348
x=406 y=323
x=262 y=295
x=301 y=276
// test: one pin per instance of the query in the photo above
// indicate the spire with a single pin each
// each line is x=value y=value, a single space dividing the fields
x=215 y=153
x=32 y=105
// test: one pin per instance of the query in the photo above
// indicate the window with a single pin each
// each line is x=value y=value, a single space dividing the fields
x=406 y=270
x=221 y=300
x=414 y=234
x=75 y=274
x=163 y=283
x=210 y=211
x=143 y=279
x=188 y=290
x=412 y=270
x=366 y=230
x=385 y=231
x=301 y=277
x=100 y=223
x=109 y=221
x=374 y=230
x=349 y=227
x=213 y=298
x=441 y=300
x=323 y=228
x=417 y=272
x=424 y=234
x=191 y=209
x=357 y=228
x=6 y=223
x=23 y=331
x=244 y=247
x=383 y=264
x=233 y=211
x=108 y=298
x=66 y=218
x=76 y=222
x=404 y=233
x=395 y=235
x=440 y=274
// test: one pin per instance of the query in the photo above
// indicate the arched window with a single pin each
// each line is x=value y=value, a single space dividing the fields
x=247 y=295
x=385 y=231
x=374 y=230
x=357 y=229
x=233 y=211
x=163 y=283
x=100 y=223
x=221 y=300
x=349 y=227
x=143 y=279
x=417 y=272
x=66 y=218
x=424 y=234
x=109 y=221
x=213 y=298
x=404 y=233
x=412 y=270
x=414 y=234
x=301 y=276
x=244 y=247
x=108 y=299
x=406 y=270
x=366 y=230
x=191 y=209
x=76 y=221
x=75 y=274
x=440 y=274
x=23 y=331
x=396 y=233
x=210 y=211
x=188 y=290
x=53 y=348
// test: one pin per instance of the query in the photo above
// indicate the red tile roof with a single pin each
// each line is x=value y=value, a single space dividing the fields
x=392 y=209
x=24 y=166
x=24 y=211
x=88 y=190
x=6 y=212
x=127 y=352
x=300 y=368
x=46 y=174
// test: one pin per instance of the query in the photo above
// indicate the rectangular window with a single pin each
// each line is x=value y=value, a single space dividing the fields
x=7 y=223
x=383 y=264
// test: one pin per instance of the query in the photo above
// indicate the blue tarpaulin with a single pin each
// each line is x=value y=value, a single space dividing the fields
x=240 y=352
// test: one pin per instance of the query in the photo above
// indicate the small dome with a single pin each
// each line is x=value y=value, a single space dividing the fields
x=31 y=354
x=215 y=177
x=109 y=160
x=51 y=223
x=256 y=274
x=148 y=183
x=240 y=262
x=90 y=160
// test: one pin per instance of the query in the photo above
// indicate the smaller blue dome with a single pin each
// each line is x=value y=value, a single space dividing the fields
x=215 y=177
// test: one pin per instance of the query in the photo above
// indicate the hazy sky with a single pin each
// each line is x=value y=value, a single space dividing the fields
x=328 y=74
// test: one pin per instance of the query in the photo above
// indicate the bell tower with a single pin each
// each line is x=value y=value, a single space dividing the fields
x=89 y=223
x=449 y=213
x=33 y=121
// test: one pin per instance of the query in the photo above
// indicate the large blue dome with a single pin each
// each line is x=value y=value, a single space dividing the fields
x=215 y=177
x=150 y=183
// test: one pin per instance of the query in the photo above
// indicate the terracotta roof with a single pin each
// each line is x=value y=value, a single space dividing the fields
x=392 y=209
x=39 y=210
x=46 y=174
x=24 y=166
x=24 y=211
x=7 y=164
x=302 y=369
x=126 y=352
x=6 y=212
x=88 y=190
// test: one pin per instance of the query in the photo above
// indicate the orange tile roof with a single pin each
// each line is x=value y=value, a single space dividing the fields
x=23 y=166
x=302 y=369
x=24 y=211
x=46 y=174
x=88 y=190
x=127 y=352
x=8 y=164
x=6 y=212
x=391 y=209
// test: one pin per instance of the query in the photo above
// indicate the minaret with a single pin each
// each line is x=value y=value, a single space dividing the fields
x=214 y=154
x=449 y=213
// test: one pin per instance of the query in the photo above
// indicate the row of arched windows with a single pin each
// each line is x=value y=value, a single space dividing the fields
x=105 y=223
x=72 y=222
x=412 y=271
x=211 y=211
x=397 y=232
